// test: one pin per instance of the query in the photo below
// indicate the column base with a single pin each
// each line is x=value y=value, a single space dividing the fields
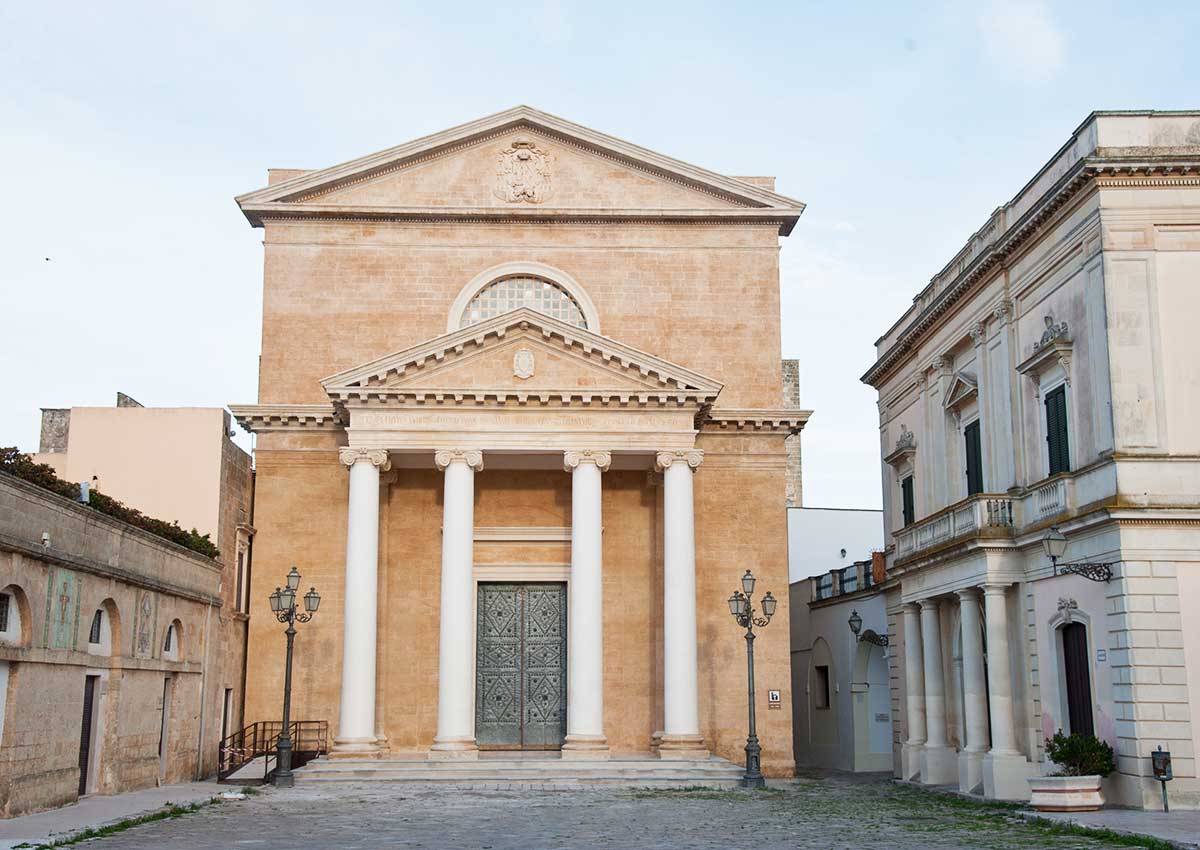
x=585 y=747
x=350 y=748
x=939 y=765
x=970 y=771
x=655 y=742
x=680 y=747
x=1005 y=775
x=454 y=748
x=910 y=761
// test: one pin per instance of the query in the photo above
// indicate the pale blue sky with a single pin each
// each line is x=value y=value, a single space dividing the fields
x=127 y=129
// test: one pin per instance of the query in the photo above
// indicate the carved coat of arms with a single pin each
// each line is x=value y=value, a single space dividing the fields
x=523 y=173
x=523 y=363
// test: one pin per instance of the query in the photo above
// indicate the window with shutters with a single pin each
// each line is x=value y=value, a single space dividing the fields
x=974 y=455
x=1057 y=443
x=906 y=500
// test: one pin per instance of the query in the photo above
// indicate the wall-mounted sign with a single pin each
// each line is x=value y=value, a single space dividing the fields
x=774 y=700
x=1101 y=656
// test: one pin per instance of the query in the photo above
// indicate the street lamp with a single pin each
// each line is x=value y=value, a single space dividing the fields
x=1055 y=544
x=743 y=611
x=870 y=635
x=283 y=606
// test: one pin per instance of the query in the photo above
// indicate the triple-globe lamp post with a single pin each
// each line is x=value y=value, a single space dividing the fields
x=283 y=606
x=742 y=609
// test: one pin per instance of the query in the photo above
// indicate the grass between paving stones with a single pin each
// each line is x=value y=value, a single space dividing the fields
x=700 y=792
x=169 y=812
x=933 y=808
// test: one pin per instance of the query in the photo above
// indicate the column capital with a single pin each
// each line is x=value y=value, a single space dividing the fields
x=376 y=457
x=471 y=457
x=978 y=333
x=1003 y=311
x=601 y=457
x=692 y=457
x=910 y=607
x=968 y=594
x=931 y=604
x=995 y=589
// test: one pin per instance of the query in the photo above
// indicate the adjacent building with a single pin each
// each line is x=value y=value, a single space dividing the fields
x=122 y=654
x=523 y=423
x=1045 y=381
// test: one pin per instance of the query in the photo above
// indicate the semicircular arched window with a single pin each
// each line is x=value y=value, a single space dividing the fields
x=509 y=293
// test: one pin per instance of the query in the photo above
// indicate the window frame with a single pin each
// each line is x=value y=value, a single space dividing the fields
x=908 y=500
x=822 y=693
x=1058 y=390
x=978 y=457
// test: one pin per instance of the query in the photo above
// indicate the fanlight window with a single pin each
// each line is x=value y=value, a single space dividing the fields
x=512 y=292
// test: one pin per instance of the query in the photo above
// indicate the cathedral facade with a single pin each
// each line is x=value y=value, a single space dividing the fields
x=522 y=423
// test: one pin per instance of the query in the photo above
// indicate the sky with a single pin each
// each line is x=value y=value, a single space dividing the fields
x=127 y=129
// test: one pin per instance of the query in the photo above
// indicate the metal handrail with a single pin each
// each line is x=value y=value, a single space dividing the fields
x=258 y=740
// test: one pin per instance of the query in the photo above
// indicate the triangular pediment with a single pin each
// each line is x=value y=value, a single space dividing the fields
x=523 y=163
x=522 y=353
x=963 y=387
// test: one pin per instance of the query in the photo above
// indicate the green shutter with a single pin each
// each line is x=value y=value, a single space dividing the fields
x=1056 y=430
x=974 y=458
x=906 y=492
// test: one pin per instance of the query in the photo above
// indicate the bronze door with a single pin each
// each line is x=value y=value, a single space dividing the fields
x=521 y=666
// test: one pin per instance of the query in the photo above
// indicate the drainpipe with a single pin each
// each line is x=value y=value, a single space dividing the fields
x=203 y=692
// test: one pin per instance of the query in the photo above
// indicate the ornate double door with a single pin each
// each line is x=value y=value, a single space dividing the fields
x=521 y=666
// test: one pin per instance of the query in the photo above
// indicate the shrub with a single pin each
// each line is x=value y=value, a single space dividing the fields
x=1080 y=755
x=41 y=474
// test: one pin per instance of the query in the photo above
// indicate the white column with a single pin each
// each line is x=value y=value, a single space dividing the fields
x=940 y=764
x=914 y=691
x=356 y=721
x=681 y=712
x=999 y=672
x=970 y=760
x=585 y=613
x=456 y=640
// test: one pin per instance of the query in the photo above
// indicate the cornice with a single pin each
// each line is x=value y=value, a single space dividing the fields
x=268 y=418
x=1099 y=171
x=782 y=219
x=791 y=420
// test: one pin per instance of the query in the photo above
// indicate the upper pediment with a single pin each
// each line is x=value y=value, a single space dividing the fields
x=519 y=164
x=522 y=355
x=963 y=387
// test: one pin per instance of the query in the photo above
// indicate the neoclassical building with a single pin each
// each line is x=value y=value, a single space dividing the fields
x=1045 y=383
x=521 y=421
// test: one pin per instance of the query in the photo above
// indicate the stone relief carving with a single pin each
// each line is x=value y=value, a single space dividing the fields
x=523 y=173
x=523 y=363
x=1053 y=333
x=906 y=440
x=1066 y=606
x=978 y=333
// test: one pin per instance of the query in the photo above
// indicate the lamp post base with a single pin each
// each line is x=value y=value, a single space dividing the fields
x=753 y=778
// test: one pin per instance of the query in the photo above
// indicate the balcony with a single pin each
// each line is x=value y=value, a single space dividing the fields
x=982 y=515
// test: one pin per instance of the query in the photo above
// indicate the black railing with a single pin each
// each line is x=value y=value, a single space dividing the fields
x=258 y=740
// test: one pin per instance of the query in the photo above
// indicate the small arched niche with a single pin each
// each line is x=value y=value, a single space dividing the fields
x=172 y=641
x=15 y=626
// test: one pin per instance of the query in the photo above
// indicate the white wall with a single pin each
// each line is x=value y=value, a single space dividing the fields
x=816 y=537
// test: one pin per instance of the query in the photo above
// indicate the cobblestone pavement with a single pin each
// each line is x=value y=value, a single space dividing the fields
x=827 y=811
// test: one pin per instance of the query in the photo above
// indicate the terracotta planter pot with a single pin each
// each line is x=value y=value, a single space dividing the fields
x=1066 y=793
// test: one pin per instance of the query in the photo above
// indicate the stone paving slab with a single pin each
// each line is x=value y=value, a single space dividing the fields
x=1182 y=828
x=43 y=827
x=817 y=811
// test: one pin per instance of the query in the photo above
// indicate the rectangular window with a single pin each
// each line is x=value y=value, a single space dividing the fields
x=1056 y=430
x=906 y=496
x=974 y=458
x=825 y=586
x=4 y=603
x=821 y=686
x=167 y=642
x=239 y=599
x=94 y=634
x=849 y=579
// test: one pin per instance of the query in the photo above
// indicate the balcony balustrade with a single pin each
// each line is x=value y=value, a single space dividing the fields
x=981 y=515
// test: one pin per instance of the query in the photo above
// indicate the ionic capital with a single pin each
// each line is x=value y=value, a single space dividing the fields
x=692 y=457
x=471 y=457
x=600 y=457
x=978 y=333
x=376 y=457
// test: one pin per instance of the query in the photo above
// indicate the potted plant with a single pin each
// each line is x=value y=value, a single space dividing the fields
x=1083 y=762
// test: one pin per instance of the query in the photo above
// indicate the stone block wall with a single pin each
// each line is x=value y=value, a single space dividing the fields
x=791 y=398
x=56 y=428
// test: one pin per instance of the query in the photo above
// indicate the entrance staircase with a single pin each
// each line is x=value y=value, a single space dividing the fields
x=535 y=770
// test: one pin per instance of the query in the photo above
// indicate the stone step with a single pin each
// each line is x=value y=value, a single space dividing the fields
x=541 y=772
